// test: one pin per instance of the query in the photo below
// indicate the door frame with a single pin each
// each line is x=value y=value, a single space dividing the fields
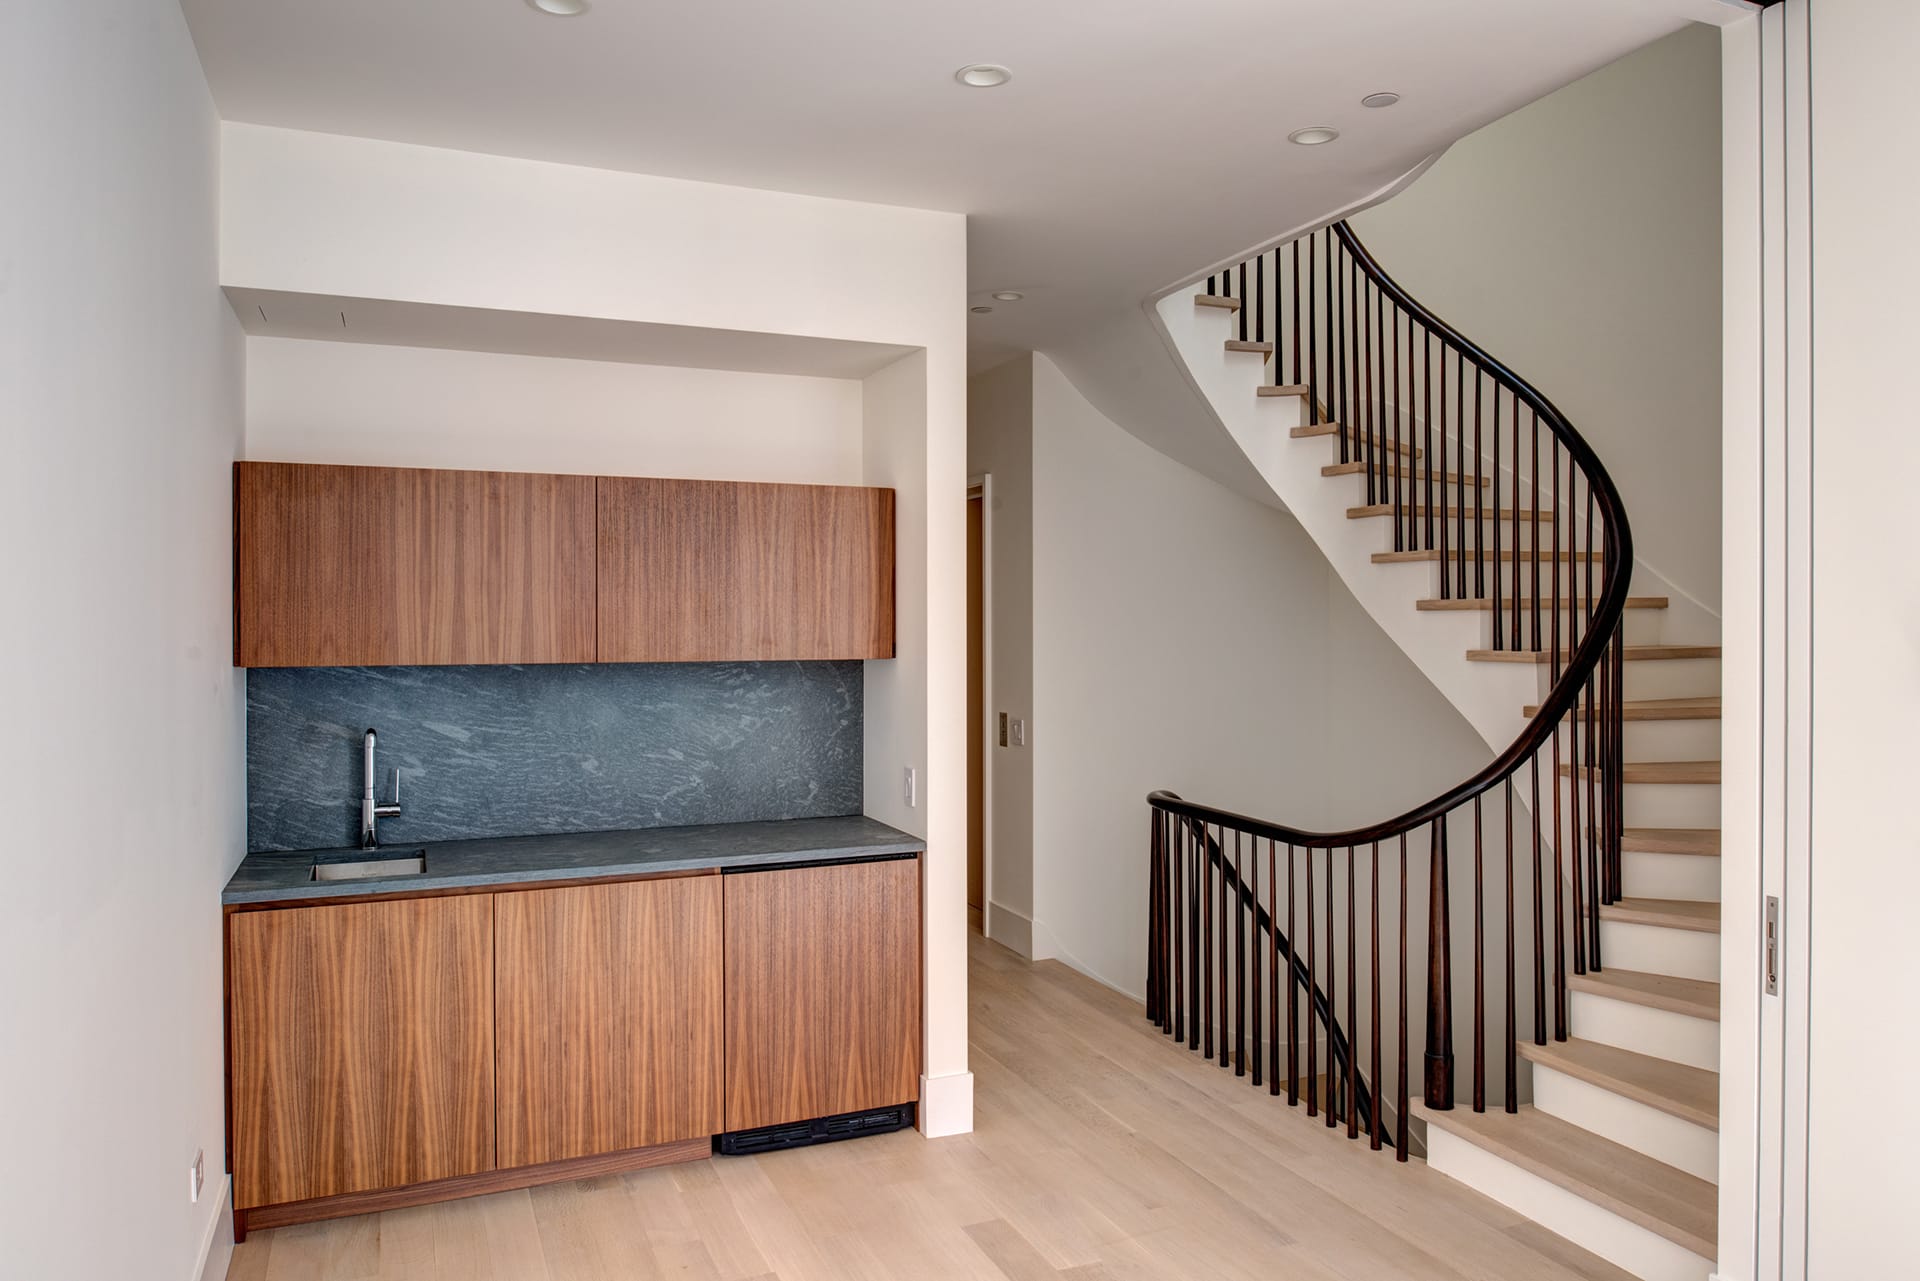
x=981 y=487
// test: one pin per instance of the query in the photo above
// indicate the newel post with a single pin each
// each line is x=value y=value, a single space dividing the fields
x=1439 y=977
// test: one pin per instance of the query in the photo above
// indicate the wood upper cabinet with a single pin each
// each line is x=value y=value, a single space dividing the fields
x=340 y=566
x=609 y=1013
x=823 y=991
x=710 y=570
x=361 y=1046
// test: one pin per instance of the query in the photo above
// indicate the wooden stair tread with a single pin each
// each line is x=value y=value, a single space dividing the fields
x=1257 y=348
x=1358 y=467
x=1671 y=913
x=1284 y=389
x=1657 y=709
x=1703 y=841
x=1694 y=997
x=1668 y=1202
x=1508 y=604
x=1506 y=553
x=1690 y=1093
x=1634 y=654
x=1487 y=512
x=1216 y=300
x=1335 y=429
x=1658 y=771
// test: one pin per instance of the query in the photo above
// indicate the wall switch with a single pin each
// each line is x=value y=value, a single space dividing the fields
x=913 y=787
x=1019 y=733
x=1003 y=729
x=197 y=1176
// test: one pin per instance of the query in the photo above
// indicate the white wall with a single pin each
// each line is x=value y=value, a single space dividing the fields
x=358 y=403
x=348 y=217
x=1864 y=619
x=1182 y=637
x=1578 y=240
x=120 y=390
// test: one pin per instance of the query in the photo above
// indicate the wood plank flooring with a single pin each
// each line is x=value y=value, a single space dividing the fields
x=1102 y=1153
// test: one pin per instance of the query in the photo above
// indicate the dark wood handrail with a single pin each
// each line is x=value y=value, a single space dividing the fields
x=1585 y=660
x=1346 y=319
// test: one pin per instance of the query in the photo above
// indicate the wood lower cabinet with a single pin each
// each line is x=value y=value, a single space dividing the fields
x=395 y=1051
x=349 y=566
x=608 y=1017
x=823 y=991
x=361 y=1043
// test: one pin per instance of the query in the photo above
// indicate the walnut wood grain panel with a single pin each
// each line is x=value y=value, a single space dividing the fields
x=361 y=1052
x=609 y=1013
x=709 y=570
x=386 y=566
x=823 y=991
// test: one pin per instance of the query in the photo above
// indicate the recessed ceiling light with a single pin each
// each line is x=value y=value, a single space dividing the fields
x=1314 y=136
x=560 y=8
x=980 y=311
x=983 y=75
x=1007 y=295
x=1380 y=100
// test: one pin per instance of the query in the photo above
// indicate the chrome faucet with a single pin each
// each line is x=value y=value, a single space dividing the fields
x=372 y=811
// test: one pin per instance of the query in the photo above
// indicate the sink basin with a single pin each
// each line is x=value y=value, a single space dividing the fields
x=373 y=868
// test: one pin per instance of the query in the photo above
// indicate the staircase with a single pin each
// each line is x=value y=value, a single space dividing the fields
x=1483 y=535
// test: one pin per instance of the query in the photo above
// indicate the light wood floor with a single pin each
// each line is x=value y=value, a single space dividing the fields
x=1102 y=1153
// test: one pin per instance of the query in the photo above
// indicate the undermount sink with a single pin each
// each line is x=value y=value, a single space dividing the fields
x=369 y=869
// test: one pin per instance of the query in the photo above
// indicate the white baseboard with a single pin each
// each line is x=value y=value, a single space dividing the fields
x=216 y=1248
x=1010 y=929
x=946 y=1105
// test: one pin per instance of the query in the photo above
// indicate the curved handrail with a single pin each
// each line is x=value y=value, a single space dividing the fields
x=1352 y=350
x=1585 y=660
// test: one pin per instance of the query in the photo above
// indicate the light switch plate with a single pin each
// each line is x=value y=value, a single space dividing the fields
x=1019 y=733
x=197 y=1176
x=913 y=787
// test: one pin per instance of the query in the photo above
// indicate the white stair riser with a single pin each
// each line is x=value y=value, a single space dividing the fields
x=1661 y=1135
x=1687 y=876
x=1653 y=804
x=1660 y=949
x=1648 y=678
x=1619 y=1241
x=1672 y=804
x=1672 y=678
x=1645 y=1030
x=1673 y=740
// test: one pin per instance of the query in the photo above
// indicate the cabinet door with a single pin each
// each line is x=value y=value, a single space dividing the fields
x=361 y=1046
x=609 y=1017
x=709 y=570
x=823 y=991
x=340 y=566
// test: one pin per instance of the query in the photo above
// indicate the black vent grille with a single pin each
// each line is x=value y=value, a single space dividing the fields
x=826 y=1129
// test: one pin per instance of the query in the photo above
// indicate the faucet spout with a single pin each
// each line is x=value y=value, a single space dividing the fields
x=372 y=811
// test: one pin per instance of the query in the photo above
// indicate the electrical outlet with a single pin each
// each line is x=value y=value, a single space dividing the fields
x=913 y=787
x=1019 y=733
x=197 y=1176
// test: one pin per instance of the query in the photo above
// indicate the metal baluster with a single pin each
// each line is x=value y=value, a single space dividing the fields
x=1400 y=1114
x=1479 y=967
x=1439 y=1091
x=1513 y=1034
x=1239 y=962
x=1353 y=1017
x=1374 y=1126
x=1293 y=991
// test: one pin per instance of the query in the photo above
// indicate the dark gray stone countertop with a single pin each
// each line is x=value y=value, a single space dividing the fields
x=510 y=860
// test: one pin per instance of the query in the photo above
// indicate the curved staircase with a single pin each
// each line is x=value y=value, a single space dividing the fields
x=1484 y=536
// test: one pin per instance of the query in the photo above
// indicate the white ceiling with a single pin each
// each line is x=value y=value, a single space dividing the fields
x=1139 y=141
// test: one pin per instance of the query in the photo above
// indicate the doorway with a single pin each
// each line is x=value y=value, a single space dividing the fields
x=977 y=738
